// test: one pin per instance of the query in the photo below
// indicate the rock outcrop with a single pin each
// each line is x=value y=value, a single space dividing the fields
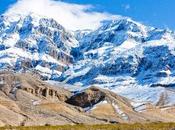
x=12 y=82
x=87 y=98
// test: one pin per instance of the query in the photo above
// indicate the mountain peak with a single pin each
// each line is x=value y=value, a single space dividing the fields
x=126 y=57
x=43 y=44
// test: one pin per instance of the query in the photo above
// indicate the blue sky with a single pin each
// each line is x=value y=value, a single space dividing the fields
x=158 y=13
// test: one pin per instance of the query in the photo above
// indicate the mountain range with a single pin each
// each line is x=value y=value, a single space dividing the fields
x=126 y=62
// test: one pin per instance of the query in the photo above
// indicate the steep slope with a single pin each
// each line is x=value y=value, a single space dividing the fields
x=35 y=43
x=25 y=100
x=128 y=58
x=106 y=105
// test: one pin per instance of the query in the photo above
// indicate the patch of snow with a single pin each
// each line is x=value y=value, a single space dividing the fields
x=1 y=82
x=10 y=40
x=88 y=109
x=128 y=44
x=120 y=112
x=36 y=102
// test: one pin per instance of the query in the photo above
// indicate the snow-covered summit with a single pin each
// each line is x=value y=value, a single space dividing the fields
x=35 y=43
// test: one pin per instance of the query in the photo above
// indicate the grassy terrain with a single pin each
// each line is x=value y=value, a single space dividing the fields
x=152 y=126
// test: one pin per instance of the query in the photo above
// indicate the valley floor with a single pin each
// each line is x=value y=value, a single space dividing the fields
x=148 y=126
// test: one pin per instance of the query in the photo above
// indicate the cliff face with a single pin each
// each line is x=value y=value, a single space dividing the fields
x=11 y=83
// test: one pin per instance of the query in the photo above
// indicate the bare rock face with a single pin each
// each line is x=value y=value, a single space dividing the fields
x=94 y=95
x=87 y=98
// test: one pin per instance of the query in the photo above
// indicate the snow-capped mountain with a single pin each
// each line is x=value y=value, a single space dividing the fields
x=128 y=58
x=35 y=43
x=122 y=55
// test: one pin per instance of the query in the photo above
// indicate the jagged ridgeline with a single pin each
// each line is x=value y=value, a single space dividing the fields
x=34 y=43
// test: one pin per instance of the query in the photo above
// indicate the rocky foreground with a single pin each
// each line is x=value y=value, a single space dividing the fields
x=25 y=100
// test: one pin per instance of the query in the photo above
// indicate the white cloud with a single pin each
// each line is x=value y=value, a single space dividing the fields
x=71 y=16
